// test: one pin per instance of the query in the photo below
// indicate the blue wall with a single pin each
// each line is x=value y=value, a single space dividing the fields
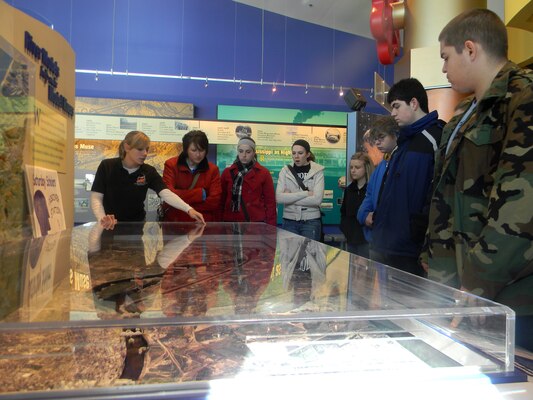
x=212 y=38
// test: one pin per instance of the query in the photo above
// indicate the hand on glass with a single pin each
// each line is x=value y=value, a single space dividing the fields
x=196 y=216
x=108 y=222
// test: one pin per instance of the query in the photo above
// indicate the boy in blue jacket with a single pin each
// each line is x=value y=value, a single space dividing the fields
x=383 y=135
x=401 y=216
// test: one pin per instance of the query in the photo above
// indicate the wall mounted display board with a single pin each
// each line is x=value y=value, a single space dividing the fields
x=236 y=310
x=280 y=115
x=37 y=87
x=98 y=136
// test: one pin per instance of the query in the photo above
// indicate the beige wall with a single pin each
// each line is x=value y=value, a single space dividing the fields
x=519 y=22
x=423 y=22
x=421 y=48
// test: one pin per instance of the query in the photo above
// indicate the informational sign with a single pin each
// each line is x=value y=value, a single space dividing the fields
x=49 y=141
x=115 y=127
x=45 y=202
x=280 y=115
x=98 y=137
x=40 y=262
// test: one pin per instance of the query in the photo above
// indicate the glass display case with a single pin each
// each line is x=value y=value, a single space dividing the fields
x=181 y=310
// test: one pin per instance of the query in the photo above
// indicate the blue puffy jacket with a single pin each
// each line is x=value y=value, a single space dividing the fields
x=371 y=198
x=400 y=219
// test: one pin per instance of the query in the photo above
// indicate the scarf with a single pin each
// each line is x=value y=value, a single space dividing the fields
x=236 y=190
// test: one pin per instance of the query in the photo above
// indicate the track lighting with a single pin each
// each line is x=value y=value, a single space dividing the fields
x=207 y=80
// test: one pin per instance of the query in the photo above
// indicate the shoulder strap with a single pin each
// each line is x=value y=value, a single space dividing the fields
x=431 y=139
x=298 y=179
x=194 y=180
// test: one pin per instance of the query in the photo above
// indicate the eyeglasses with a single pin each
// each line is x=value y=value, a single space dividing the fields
x=380 y=139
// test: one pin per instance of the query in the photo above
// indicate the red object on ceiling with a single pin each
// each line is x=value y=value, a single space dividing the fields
x=382 y=28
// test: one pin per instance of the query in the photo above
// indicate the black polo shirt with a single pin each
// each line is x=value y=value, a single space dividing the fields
x=124 y=193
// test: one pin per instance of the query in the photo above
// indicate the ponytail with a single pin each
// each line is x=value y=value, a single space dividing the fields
x=134 y=139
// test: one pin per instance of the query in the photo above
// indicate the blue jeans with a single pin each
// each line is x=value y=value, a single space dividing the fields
x=312 y=228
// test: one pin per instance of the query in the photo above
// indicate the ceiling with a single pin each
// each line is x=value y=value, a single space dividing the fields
x=350 y=16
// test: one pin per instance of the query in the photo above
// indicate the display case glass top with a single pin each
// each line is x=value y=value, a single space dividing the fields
x=181 y=306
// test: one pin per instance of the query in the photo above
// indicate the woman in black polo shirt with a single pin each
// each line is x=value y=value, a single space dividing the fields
x=121 y=183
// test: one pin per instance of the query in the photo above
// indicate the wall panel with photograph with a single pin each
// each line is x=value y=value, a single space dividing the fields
x=99 y=131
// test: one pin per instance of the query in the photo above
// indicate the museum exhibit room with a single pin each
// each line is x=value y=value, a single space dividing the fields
x=266 y=199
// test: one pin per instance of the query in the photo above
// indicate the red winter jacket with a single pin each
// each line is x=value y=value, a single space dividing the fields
x=178 y=178
x=257 y=194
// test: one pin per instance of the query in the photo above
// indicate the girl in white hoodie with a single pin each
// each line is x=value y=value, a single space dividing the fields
x=300 y=189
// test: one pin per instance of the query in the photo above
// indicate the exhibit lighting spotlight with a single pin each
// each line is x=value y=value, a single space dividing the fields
x=206 y=84
x=306 y=89
x=274 y=89
x=341 y=92
x=96 y=76
x=355 y=99
x=240 y=85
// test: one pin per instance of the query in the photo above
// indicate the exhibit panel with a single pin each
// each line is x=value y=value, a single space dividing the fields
x=183 y=310
x=37 y=84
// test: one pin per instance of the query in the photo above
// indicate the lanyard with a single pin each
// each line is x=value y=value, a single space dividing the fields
x=460 y=124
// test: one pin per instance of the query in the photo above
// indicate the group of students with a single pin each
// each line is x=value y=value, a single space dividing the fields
x=389 y=208
x=192 y=188
x=455 y=201
x=451 y=200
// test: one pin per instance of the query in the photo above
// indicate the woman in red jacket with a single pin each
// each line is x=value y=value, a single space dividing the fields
x=247 y=188
x=194 y=179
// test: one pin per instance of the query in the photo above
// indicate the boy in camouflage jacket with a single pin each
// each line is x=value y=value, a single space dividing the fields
x=481 y=217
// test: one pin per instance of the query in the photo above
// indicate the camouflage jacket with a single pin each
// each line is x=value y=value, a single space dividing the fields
x=480 y=233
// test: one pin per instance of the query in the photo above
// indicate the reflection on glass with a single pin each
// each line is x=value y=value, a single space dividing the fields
x=160 y=303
